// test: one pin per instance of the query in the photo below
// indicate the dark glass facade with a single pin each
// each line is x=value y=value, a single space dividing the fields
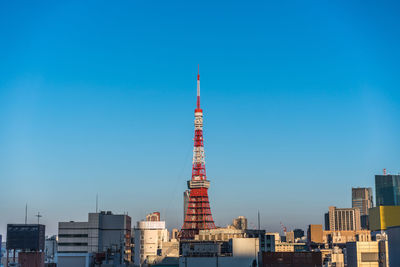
x=387 y=190
x=25 y=236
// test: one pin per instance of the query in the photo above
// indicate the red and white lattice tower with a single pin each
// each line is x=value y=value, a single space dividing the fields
x=198 y=214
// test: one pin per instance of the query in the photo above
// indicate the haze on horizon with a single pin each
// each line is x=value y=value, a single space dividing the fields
x=301 y=102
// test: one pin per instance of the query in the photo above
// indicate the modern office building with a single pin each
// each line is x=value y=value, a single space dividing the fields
x=382 y=217
x=387 y=187
x=343 y=219
x=149 y=239
x=240 y=223
x=28 y=240
x=103 y=231
x=26 y=236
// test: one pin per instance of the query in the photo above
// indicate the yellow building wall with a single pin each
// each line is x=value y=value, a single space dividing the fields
x=382 y=217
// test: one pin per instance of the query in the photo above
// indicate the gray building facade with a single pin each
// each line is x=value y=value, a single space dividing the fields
x=102 y=231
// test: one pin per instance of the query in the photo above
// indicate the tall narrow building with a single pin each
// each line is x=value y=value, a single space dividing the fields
x=198 y=214
x=361 y=198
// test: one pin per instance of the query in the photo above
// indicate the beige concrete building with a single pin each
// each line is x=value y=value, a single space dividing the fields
x=240 y=223
x=290 y=237
x=224 y=234
x=343 y=219
x=314 y=234
x=174 y=234
x=284 y=247
x=170 y=249
x=333 y=257
x=219 y=234
x=169 y=254
x=342 y=237
x=366 y=254
x=244 y=252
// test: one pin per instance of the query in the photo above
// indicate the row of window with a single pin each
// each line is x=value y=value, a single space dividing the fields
x=73 y=235
x=72 y=244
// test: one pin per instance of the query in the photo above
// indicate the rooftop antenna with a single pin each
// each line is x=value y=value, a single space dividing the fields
x=38 y=217
x=258 y=222
x=97 y=202
x=26 y=213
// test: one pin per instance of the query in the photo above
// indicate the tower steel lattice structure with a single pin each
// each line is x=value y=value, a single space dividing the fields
x=198 y=213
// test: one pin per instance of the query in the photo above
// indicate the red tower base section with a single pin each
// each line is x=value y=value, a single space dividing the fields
x=198 y=215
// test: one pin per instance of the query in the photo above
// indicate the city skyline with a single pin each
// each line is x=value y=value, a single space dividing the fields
x=98 y=99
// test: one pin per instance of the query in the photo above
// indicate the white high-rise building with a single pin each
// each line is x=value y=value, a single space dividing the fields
x=149 y=238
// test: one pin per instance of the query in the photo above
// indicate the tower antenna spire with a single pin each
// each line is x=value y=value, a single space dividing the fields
x=198 y=86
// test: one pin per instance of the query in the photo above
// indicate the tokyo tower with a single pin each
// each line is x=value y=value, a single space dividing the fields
x=198 y=213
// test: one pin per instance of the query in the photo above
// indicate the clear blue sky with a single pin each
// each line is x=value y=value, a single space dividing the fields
x=301 y=102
